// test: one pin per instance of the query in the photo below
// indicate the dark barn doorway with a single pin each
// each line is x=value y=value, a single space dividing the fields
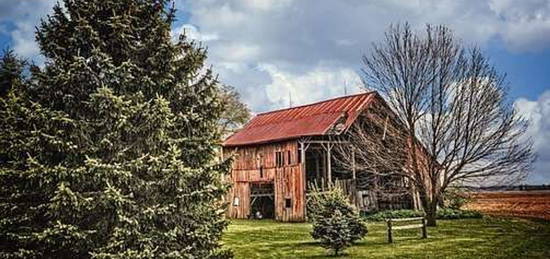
x=262 y=201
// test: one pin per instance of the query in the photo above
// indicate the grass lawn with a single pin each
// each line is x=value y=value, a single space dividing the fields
x=467 y=238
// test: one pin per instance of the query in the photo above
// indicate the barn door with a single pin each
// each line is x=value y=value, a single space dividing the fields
x=262 y=200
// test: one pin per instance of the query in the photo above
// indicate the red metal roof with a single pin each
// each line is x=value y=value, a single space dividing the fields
x=308 y=120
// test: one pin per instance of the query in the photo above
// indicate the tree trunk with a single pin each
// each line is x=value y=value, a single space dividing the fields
x=431 y=214
x=430 y=208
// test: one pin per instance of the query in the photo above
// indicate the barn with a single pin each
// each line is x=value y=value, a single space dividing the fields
x=279 y=155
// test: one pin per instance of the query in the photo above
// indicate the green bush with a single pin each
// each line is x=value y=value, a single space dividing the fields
x=457 y=214
x=446 y=213
x=336 y=223
x=394 y=214
x=455 y=198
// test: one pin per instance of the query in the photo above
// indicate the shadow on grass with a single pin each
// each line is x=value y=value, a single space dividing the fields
x=345 y=255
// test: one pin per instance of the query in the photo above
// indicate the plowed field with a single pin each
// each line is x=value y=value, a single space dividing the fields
x=527 y=204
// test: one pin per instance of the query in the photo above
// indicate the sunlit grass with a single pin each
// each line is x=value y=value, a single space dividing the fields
x=468 y=238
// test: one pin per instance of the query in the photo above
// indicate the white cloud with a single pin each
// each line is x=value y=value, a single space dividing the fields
x=23 y=39
x=538 y=112
x=265 y=5
x=237 y=52
x=193 y=33
x=315 y=85
x=24 y=15
x=219 y=13
x=525 y=25
x=297 y=36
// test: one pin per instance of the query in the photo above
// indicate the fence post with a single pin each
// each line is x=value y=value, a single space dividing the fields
x=424 y=233
x=390 y=239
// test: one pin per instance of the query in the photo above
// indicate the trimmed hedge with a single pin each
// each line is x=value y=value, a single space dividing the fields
x=441 y=214
x=393 y=214
x=458 y=214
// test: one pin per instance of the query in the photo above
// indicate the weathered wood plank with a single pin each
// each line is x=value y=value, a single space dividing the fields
x=407 y=227
x=406 y=219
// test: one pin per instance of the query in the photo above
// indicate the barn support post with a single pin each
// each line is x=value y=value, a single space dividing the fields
x=329 y=163
x=303 y=160
x=318 y=175
x=303 y=149
x=327 y=146
x=353 y=172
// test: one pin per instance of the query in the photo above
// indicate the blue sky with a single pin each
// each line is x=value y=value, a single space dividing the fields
x=272 y=49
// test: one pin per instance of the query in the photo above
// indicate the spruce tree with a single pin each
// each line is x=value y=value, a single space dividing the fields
x=336 y=223
x=114 y=155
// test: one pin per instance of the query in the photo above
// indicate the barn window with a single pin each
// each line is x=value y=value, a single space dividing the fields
x=288 y=203
x=279 y=158
x=261 y=172
x=288 y=154
x=236 y=201
x=261 y=164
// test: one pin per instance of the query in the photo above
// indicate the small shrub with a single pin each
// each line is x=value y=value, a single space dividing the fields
x=336 y=223
x=455 y=198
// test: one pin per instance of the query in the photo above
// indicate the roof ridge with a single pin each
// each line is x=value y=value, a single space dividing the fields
x=314 y=103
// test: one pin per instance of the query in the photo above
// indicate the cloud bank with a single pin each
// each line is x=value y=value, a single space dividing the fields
x=538 y=114
x=305 y=37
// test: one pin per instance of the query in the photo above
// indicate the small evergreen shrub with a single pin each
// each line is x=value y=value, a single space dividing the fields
x=336 y=223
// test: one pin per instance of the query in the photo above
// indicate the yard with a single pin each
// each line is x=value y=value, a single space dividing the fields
x=467 y=238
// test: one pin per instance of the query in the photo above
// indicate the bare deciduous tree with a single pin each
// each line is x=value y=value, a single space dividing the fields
x=235 y=113
x=450 y=122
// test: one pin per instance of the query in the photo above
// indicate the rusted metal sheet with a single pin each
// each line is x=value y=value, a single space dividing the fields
x=308 y=120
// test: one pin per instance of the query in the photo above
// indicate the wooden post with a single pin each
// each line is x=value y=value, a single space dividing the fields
x=303 y=155
x=424 y=233
x=318 y=175
x=353 y=164
x=329 y=163
x=390 y=239
x=304 y=174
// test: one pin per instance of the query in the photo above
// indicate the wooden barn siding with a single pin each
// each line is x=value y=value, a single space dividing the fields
x=288 y=181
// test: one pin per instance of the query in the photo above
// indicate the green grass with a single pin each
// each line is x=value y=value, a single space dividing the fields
x=464 y=238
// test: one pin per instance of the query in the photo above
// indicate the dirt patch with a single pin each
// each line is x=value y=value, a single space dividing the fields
x=528 y=204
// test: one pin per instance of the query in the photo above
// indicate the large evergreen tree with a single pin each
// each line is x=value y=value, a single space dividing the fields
x=110 y=150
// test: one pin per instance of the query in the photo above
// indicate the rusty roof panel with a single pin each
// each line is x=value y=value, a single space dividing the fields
x=307 y=120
